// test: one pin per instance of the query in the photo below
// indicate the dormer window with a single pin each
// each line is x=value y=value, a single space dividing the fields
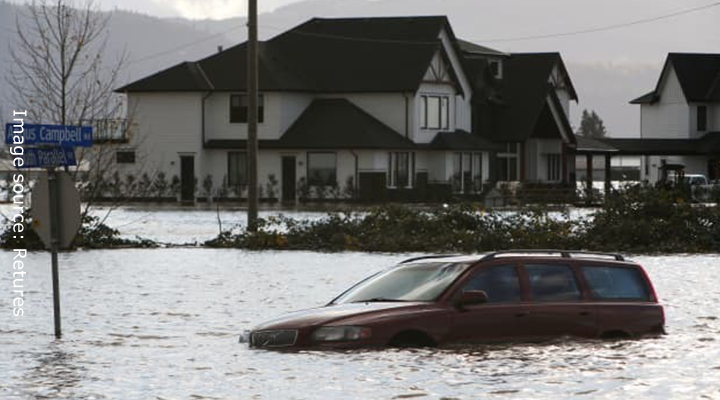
x=701 y=118
x=435 y=112
x=496 y=68
x=239 y=108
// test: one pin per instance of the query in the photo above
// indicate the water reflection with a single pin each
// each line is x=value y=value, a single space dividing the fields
x=56 y=372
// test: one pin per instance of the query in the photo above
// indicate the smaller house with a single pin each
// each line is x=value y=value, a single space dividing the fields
x=679 y=119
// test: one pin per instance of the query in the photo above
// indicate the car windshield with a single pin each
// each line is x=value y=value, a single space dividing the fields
x=410 y=282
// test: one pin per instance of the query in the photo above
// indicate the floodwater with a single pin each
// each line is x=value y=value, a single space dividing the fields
x=164 y=324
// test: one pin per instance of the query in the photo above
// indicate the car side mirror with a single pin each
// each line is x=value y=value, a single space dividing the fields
x=470 y=297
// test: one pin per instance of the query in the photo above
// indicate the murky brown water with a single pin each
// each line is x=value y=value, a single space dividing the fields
x=163 y=324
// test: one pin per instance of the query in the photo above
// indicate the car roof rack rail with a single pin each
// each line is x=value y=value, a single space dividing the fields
x=563 y=253
x=428 y=257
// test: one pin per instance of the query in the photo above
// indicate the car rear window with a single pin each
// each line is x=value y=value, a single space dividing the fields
x=616 y=283
x=500 y=282
x=550 y=282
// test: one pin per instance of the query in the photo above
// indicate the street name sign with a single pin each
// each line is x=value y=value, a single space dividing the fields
x=48 y=157
x=63 y=135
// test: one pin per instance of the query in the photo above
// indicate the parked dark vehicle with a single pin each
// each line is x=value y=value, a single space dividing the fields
x=502 y=296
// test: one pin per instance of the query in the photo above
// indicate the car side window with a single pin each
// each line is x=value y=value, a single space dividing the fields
x=500 y=282
x=552 y=282
x=616 y=283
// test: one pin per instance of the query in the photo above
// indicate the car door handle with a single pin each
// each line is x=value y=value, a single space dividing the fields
x=522 y=314
x=584 y=313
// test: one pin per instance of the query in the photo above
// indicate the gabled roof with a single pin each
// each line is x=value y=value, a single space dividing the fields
x=475 y=49
x=698 y=74
x=322 y=55
x=340 y=124
x=525 y=94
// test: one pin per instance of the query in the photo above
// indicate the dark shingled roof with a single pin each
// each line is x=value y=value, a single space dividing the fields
x=321 y=55
x=338 y=123
x=524 y=94
x=587 y=144
x=460 y=140
x=698 y=73
x=472 y=48
x=707 y=144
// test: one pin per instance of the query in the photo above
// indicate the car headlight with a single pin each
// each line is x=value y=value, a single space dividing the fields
x=340 y=333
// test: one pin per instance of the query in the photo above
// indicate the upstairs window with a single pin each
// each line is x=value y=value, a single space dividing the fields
x=701 y=118
x=239 y=108
x=434 y=112
x=495 y=68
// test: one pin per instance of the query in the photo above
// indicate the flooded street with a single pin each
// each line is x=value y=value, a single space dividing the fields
x=164 y=324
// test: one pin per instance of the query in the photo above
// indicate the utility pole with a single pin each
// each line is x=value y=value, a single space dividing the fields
x=252 y=141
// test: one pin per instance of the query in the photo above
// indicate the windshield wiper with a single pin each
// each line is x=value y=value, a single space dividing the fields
x=378 y=300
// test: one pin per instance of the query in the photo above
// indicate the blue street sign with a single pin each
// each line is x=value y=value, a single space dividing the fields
x=63 y=135
x=45 y=157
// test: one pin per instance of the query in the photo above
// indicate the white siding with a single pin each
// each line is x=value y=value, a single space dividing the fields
x=669 y=118
x=280 y=111
x=165 y=125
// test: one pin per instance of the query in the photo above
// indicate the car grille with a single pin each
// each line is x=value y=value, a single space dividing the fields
x=277 y=338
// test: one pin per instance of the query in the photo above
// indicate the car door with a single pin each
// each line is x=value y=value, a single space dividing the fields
x=556 y=306
x=501 y=318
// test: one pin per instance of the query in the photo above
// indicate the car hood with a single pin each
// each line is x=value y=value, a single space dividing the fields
x=328 y=314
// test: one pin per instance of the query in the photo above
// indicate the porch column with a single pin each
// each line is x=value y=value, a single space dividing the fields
x=564 y=158
x=608 y=169
x=588 y=178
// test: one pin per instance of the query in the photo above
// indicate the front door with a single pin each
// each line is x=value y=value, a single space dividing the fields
x=187 y=178
x=288 y=178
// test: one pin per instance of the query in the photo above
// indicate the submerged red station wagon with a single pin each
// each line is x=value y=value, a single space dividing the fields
x=502 y=296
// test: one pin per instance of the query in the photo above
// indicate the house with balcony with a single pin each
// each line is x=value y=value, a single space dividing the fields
x=370 y=108
x=679 y=120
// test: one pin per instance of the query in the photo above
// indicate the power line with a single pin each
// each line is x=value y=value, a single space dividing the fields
x=511 y=39
x=606 y=27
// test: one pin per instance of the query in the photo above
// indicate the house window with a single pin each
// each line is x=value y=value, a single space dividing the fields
x=125 y=157
x=496 y=68
x=321 y=169
x=239 y=108
x=237 y=169
x=553 y=167
x=435 y=112
x=701 y=118
x=508 y=163
x=401 y=169
x=467 y=172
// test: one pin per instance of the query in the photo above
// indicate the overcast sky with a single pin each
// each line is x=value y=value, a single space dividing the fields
x=194 y=9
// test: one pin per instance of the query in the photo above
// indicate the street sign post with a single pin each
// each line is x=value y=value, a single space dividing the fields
x=48 y=157
x=55 y=199
x=68 y=202
x=63 y=135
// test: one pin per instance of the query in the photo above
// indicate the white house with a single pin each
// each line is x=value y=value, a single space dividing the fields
x=376 y=108
x=680 y=119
